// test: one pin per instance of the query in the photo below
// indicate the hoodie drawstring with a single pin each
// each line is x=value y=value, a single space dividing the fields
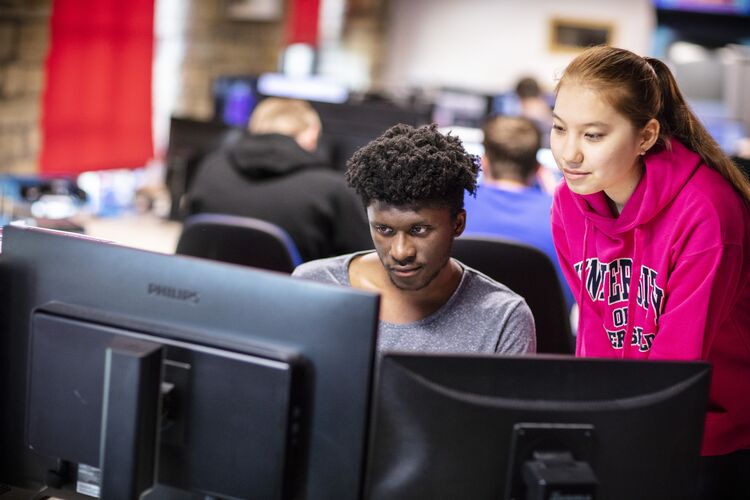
x=635 y=279
x=635 y=276
x=582 y=288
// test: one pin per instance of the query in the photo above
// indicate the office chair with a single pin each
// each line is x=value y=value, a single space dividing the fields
x=530 y=273
x=238 y=240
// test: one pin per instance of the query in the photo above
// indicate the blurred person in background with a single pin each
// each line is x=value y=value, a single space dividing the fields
x=534 y=106
x=508 y=203
x=272 y=173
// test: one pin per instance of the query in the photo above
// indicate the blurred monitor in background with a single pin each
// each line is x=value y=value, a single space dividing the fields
x=731 y=7
x=310 y=88
x=463 y=108
x=470 y=137
x=189 y=142
x=725 y=130
x=346 y=127
x=235 y=97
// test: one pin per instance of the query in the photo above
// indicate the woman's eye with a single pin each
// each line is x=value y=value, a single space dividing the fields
x=557 y=128
x=593 y=136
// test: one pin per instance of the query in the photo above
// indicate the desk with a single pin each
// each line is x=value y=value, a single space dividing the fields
x=143 y=231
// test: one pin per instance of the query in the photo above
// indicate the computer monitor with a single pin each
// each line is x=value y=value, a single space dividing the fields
x=726 y=131
x=735 y=7
x=471 y=138
x=235 y=382
x=190 y=141
x=235 y=98
x=508 y=103
x=463 y=108
x=309 y=88
x=349 y=126
x=536 y=427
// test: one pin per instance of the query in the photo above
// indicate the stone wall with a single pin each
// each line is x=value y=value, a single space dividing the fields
x=24 y=37
x=215 y=45
x=364 y=34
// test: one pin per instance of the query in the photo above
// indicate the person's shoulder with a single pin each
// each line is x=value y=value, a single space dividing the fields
x=537 y=193
x=710 y=184
x=480 y=284
x=536 y=201
x=315 y=267
x=328 y=270
x=709 y=210
x=708 y=195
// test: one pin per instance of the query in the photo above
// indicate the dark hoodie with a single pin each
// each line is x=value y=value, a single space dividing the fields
x=270 y=177
x=667 y=279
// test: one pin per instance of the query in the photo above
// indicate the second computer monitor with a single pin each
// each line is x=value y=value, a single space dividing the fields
x=536 y=427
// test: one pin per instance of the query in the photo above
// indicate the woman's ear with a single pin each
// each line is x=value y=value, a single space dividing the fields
x=649 y=134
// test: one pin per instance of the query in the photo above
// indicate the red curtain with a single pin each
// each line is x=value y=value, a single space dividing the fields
x=302 y=22
x=97 y=103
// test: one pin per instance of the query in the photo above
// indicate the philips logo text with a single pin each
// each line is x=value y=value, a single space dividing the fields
x=171 y=292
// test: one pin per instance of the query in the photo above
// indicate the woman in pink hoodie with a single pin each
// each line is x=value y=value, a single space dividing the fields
x=652 y=228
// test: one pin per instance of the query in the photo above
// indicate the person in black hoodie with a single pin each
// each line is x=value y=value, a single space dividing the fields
x=272 y=173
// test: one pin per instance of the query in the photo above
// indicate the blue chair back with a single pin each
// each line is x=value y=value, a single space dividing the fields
x=238 y=240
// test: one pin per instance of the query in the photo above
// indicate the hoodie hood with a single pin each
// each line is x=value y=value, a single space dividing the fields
x=665 y=174
x=270 y=155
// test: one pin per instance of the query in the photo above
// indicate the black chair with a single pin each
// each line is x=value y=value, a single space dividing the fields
x=238 y=240
x=530 y=273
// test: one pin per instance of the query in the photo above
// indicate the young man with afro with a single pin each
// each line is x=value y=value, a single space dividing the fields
x=412 y=182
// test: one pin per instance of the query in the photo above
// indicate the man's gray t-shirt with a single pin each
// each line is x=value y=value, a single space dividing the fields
x=482 y=315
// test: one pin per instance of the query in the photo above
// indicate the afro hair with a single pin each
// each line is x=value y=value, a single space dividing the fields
x=409 y=166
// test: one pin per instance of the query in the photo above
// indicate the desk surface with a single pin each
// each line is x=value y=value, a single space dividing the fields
x=146 y=232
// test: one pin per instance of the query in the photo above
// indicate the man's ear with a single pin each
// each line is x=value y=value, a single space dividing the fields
x=460 y=223
x=308 y=138
x=485 y=162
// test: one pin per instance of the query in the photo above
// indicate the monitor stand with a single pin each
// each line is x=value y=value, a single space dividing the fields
x=551 y=461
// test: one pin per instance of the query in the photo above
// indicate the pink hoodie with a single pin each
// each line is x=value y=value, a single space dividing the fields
x=683 y=240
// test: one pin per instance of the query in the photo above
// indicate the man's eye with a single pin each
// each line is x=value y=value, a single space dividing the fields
x=418 y=230
x=383 y=229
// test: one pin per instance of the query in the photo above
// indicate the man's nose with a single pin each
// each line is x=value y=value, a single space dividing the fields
x=402 y=249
